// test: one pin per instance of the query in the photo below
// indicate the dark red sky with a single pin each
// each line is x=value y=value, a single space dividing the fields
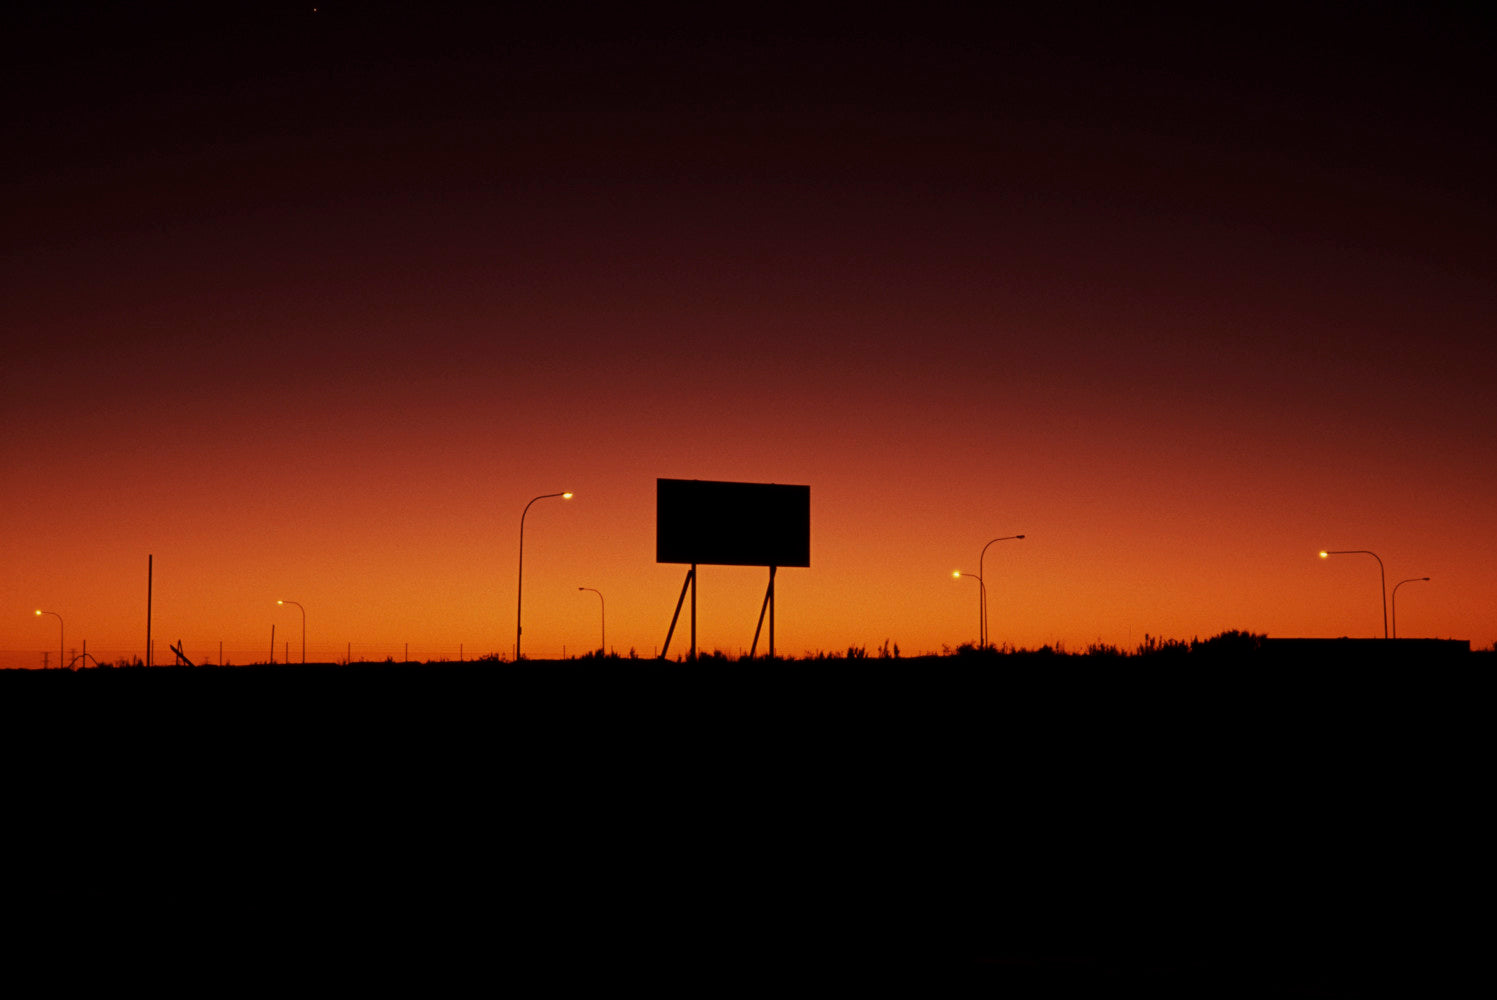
x=309 y=305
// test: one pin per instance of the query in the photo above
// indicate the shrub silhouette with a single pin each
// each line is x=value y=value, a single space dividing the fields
x=1232 y=642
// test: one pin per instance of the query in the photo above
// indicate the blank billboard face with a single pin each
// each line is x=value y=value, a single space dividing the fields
x=732 y=524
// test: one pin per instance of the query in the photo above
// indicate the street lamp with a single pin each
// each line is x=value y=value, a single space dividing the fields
x=983 y=619
x=303 y=630
x=1400 y=583
x=603 y=619
x=1381 y=575
x=982 y=598
x=54 y=614
x=519 y=586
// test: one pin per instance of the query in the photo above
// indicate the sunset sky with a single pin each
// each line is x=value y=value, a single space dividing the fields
x=308 y=304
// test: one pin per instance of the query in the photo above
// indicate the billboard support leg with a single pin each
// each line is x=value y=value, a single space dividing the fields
x=768 y=605
x=690 y=576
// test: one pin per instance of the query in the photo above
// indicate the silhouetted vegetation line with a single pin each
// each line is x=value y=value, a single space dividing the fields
x=1229 y=647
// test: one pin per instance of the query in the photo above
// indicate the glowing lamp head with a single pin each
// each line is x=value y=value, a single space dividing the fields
x=956 y=574
x=1324 y=554
x=566 y=496
x=38 y=610
x=280 y=602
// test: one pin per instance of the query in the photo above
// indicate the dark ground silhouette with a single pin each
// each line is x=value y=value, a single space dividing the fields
x=1247 y=824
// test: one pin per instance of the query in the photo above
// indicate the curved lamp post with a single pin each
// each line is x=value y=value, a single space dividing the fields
x=519 y=586
x=983 y=619
x=603 y=620
x=303 y=629
x=1400 y=583
x=982 y=599
x=54 y=614
x=1381 y=575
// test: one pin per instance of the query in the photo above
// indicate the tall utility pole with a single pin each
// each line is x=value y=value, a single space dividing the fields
x=982 y=591
x=520 y=579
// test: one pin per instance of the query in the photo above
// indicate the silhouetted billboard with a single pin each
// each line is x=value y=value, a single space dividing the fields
x=732 y=524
